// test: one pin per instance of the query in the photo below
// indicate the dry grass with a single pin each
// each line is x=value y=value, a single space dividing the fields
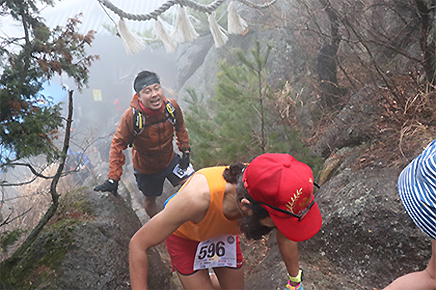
x=407 y=122
x=406 y=126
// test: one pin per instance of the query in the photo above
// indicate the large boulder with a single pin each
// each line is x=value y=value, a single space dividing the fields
x=85 y=246
x=353 y=125
x=190 y=57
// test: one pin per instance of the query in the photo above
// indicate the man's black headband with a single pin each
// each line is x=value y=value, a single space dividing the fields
x=141 y=83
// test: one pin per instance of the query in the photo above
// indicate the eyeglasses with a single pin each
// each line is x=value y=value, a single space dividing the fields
x=305 y=211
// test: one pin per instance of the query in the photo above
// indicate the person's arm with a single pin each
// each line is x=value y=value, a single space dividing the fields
x=181 y=133
x=155 y=231
x=121 y=139
x=289 y=251
x=190 y=204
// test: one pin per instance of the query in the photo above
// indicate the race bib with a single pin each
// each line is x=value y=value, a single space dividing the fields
x=182 y=173
x=216 y=252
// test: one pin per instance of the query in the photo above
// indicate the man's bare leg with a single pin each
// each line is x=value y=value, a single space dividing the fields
x=150 y=205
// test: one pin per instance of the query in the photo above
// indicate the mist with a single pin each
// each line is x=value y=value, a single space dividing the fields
x=97 y=107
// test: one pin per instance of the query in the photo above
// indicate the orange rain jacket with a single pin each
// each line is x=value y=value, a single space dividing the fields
x=153 y=148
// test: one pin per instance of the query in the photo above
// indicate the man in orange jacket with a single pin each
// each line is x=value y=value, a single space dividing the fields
x=149 y=126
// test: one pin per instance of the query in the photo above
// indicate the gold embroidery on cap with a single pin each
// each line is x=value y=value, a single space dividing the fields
x=290 y=205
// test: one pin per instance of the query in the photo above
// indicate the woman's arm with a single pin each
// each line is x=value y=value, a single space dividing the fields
x=190 y=204
x=289 y=252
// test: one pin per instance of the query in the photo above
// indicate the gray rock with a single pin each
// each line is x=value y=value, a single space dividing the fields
x=86 y=247
x=353 y=125
x=190 y=57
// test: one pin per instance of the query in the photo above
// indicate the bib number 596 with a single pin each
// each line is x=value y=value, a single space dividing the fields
x=211 y=250
x=219 y=251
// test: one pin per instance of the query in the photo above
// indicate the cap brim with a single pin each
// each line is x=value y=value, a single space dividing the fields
x=295 y=230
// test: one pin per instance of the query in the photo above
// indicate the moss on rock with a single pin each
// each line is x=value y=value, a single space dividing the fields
x=42 y=260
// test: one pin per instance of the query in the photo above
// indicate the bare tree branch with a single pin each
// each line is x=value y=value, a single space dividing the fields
x=8 y=220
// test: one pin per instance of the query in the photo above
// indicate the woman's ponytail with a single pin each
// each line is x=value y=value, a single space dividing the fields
x=233 y=171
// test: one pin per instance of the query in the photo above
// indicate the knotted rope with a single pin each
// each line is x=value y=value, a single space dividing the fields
x=167 y=5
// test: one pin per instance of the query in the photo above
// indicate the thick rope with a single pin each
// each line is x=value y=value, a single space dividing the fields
x=139 y=17
x=255 y=6
x=202 y=8
x=167 y=5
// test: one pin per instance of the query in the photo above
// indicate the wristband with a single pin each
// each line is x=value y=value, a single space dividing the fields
x=297 y=279
x=298 y=287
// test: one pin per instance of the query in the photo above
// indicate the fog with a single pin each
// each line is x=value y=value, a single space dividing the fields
x=99 y=106
x=111 y=79
x=111 y=76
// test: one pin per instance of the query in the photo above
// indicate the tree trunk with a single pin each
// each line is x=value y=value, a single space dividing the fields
x=427 y=41
x=327 y=60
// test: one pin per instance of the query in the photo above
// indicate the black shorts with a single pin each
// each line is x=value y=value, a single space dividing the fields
x=152 y=184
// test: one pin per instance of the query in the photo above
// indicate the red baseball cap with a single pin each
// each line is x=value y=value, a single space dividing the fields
x=283 y=182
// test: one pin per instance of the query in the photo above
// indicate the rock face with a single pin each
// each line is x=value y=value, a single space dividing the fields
x=87 y=247
x=366 y=240
x=366 y=232
x=282 y=62
x=353 y=125
x=190 y=57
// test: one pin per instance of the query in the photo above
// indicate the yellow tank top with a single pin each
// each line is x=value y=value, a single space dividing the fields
x=214 y=222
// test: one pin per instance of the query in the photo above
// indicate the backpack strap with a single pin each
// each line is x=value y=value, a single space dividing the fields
x=138 y=124
x=139 y=119
x=171 y=114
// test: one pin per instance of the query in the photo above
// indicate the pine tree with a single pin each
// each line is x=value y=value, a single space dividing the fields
x=29 y=121
x=241 y=121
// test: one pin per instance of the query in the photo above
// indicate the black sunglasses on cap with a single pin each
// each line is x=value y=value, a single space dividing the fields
x=299 y=216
